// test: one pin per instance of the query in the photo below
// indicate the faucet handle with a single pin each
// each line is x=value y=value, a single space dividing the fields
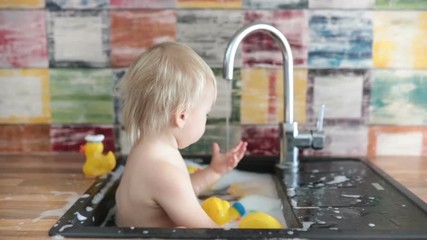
x=320 y=117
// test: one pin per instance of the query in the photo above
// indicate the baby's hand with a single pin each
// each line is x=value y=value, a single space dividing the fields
x=223 y=162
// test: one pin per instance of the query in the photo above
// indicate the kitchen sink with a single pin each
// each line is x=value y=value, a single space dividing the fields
x=326 y=198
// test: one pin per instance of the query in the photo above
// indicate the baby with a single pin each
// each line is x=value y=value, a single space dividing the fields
x=167 y=94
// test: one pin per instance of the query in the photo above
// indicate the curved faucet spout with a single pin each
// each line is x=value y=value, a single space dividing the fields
x=230 y=55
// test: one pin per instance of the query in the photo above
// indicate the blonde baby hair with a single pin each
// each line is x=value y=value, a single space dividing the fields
x=166 y=78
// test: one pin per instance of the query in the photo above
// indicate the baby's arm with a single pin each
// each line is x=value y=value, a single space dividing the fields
x=173 y=191
x=221 y=163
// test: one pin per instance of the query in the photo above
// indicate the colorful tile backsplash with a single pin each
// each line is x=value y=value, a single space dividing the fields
x=365 y=60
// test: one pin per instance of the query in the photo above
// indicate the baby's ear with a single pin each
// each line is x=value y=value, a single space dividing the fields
x=180 y=117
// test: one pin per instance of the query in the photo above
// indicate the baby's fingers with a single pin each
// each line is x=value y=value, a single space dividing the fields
x=238 y=147
x=241 y=151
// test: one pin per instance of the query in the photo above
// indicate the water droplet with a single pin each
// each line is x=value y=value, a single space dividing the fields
x=132 y=228
x=338 y=217
x=371 y=225
x=145 y=232
x=403 y=205
x=290 y=233
x=336 y=211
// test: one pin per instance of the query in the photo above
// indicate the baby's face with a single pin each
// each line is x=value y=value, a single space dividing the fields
x=196 y=122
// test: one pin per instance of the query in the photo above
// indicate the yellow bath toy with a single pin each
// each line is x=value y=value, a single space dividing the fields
x=220 y=210
x=259 y=220
x=96 y=163
x=193 y=169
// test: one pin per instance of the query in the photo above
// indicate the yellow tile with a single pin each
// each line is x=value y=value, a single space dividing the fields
x=41 y=75
x=260 y=105
x=419 y=50
x=22 y=3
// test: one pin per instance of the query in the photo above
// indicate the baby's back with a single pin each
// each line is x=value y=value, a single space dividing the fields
x=138 y=212
x=134 y=198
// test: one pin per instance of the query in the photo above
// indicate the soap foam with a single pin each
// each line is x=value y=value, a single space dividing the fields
x=71 y=199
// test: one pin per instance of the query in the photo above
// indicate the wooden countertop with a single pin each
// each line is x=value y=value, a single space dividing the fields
x=36 y=189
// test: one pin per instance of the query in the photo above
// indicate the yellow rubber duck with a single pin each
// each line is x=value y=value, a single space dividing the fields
x=193 y=169
x=97 y=163
x=221 y=212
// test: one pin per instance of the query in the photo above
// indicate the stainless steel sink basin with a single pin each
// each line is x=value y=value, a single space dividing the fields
x=327 y=198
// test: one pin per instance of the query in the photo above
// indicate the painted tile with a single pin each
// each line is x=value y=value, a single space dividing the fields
x=261 y=139
x=23 y=39
x=82 y=96
x=69 y=138
x=76 y=4
x=214 y=133
x=79 y=39
x=336 y=4
x=345 y=94
x=24 y=138
x=399 y=39
x=397 y=141
x=209 y=3
x=399 y=97
x=260 y=49
x=263 y=97
x=22 y=3
x=340 y=39
x=344 y=140
x=274 y=4
x=208 y=32
x=118 y=74
x=142 y=3
x=400 y=4
x=24 y=96
x=132 y=32
x=124 y=144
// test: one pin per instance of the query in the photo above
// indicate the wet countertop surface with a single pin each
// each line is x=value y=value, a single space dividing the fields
x=36 y=189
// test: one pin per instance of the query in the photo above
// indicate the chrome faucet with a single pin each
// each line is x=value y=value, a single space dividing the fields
x=290 y=140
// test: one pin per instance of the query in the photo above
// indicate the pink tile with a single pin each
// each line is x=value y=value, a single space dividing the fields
x=260 y=49
x=262 y=140
x=67 y=138
x=23 y=39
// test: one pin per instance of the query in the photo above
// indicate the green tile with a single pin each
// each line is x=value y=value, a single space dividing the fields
x=81 y=96
x=399 y=97
x=401 y=4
